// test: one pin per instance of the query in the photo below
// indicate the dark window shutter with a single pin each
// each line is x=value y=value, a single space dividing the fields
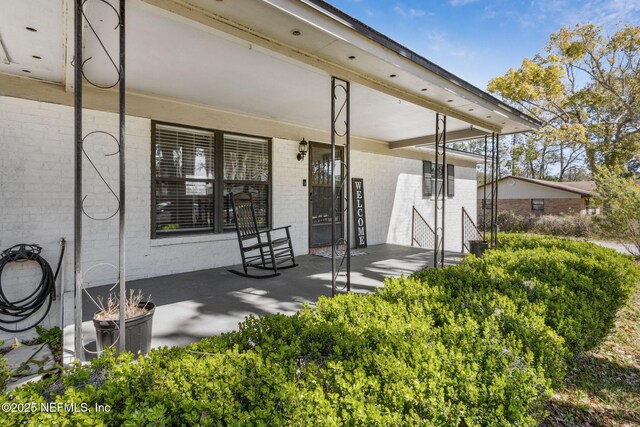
x=451 y=178
x=427 y=183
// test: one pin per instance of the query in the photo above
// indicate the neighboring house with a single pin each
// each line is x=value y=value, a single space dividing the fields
x=219 y=96
x=528 y=196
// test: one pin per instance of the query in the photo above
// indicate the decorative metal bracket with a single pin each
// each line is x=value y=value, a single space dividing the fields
x=495 y=193
x=80 y=20
x=495 y=173
x=484 y=192
x=440 y=191
x=340 y=131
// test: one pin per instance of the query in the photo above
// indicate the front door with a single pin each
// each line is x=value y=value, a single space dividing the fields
x=320 y=194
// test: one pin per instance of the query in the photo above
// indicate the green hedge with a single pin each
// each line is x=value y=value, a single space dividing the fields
x=582 y=285
x=578 y=285
x=353 y=360
x=472 y=345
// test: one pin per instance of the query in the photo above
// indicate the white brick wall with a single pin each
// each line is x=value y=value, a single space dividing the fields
x=36 y=192
x=290 y=198
x=393 y=185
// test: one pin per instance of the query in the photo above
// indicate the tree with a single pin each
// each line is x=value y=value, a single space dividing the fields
x=619 y=197
x=586 y=91
x=527 y=157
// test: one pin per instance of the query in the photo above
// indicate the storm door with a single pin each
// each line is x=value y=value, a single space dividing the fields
x=320 y=194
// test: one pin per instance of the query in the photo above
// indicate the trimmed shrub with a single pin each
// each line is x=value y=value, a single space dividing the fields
x=576 y=225
x=466 y=291
x=353 y=360
x=480 y=344
x=4 y=373
x=582 y=285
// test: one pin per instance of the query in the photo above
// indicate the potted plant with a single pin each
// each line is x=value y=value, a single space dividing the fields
x=138 y=323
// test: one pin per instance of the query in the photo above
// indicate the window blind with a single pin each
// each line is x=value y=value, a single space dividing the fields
x=246 y=158
x=246 y=170
x=194 y=172
x=184 y=180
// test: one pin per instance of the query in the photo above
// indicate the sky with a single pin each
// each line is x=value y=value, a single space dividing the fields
x=478 y=40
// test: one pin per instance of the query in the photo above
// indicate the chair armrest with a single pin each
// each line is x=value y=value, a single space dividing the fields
x=280 y=228
x=285 y=228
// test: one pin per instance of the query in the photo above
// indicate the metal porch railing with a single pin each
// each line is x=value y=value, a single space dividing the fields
x=469 y=231
x=421 y=232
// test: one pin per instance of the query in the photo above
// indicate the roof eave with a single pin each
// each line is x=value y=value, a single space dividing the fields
x=583 y=193
x=417 y=59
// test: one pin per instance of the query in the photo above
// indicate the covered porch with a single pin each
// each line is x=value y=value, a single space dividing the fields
x=221 y=97
x=194 y=305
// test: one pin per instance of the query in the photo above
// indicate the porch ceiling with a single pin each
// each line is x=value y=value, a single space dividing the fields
x=241 y=55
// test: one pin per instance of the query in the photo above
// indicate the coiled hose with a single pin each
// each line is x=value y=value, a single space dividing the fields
x=45 y=292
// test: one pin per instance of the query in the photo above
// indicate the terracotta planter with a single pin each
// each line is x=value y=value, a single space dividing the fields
x=137 y=331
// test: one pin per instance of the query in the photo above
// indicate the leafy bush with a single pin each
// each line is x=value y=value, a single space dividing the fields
x=625 y=264
x=576 y=225
x=468 y=345
x=466 y=290
x=619 y=197
x=513 y=223
x=4 y=373
x=582 y=285
x=52 y=337
x=353 y=360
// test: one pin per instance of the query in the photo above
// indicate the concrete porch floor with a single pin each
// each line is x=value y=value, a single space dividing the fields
x=198 y=304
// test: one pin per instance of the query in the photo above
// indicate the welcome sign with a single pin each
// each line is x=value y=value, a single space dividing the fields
x=359 y=218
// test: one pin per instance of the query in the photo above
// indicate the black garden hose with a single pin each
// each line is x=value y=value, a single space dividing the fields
x=45 y=292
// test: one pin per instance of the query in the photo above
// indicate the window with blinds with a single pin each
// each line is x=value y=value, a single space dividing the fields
x=246 y=170
x=537 y=205
x=184 y=183
x=194 y=171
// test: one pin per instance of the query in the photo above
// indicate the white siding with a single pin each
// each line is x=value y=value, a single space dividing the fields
x=518 y=189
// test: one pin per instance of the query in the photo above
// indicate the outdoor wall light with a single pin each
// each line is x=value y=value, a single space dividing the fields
x=303 y=147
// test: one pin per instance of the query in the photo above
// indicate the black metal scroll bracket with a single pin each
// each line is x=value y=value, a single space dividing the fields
x=80 y=19
x=340 y=116
x=440 y=191
x=102 y=178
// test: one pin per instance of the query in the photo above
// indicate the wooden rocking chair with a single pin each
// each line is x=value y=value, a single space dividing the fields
x=258 y=248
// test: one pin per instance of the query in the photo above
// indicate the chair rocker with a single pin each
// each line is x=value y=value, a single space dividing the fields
x=261 y=249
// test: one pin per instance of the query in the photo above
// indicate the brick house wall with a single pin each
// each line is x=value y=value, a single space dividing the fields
x=515 y=195
x=551 y=206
